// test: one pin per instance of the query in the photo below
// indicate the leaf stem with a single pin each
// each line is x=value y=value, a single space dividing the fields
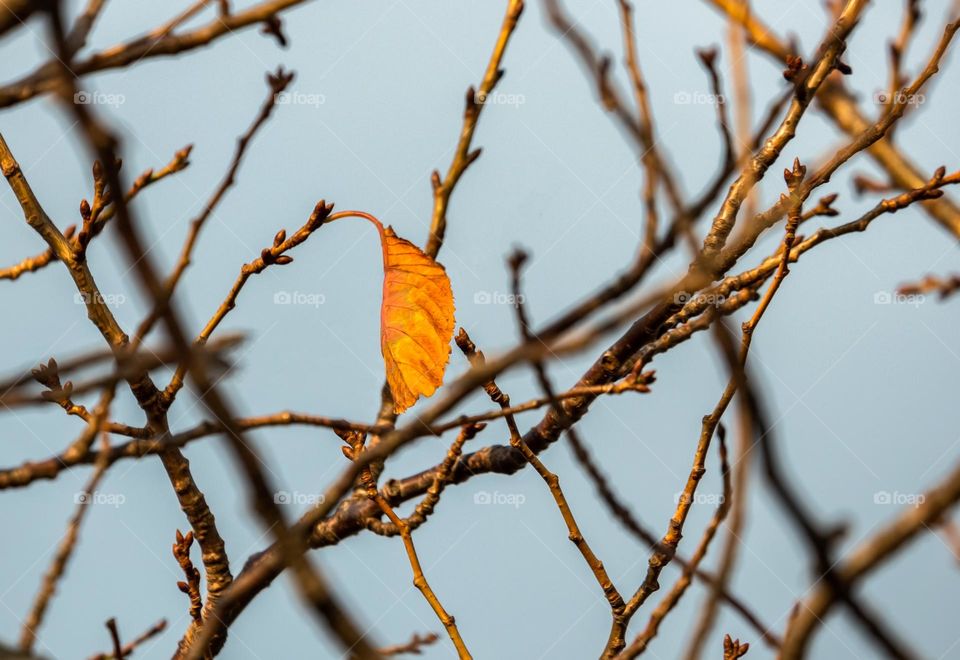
x=355 y=214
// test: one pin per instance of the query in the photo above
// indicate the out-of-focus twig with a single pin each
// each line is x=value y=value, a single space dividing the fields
x=354 y=446
x=414 y=647
x=96 y=218
x=58 y=566
x=943 y=286
x=841 y=107
x=132 y=645
x=45 y=78
x=276 y=82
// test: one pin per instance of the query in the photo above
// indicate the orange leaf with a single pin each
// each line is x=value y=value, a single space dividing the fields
x=416 y=317
x=416 y=320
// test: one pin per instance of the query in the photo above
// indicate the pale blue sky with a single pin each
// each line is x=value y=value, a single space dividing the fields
x=864 y=394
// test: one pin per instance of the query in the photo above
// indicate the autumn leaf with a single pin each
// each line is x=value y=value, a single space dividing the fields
x=416 y=317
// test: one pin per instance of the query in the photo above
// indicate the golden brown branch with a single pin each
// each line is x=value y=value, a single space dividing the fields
x=463 y=156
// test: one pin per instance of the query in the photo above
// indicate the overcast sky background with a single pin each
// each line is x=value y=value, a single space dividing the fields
x=863 y=394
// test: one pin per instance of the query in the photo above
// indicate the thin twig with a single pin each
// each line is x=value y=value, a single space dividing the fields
x=463 y=156
x=33 y=620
